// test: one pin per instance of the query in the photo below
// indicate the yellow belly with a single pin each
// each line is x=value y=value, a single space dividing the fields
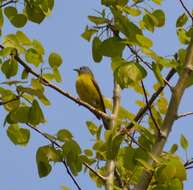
x=88 y=92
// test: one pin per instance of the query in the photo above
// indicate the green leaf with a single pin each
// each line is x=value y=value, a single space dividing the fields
x=64 y=135
x=182 y=20
x=175 y=184
x=125 y=26
x=10 y=12
x=57 y=75
x=88 y=152
x=112 y=47
x=10 y=68
x=19 y=20
x=33 y=57
x=184 y=142
x=88 y=33
x=160 y=17
x=129 y=73
x=116 y=143
x=92 y=127
x=96 y=53
x=131 y=10
x=55 y=60
x=148 y=22
x=38 y=46
x=162 y=104
x=20 y=115
x=158 y=2
x=34 y=13
x=165 y=173
x=44 y=155
x=1 y=19
x=18 y=136
x=35 y=114
x=183 y=36
x=114 y=2
x=34 y=92
x=71 y=151
x=97 y=20
x=157 y=73
x=173 y=149
x=144 y=41
x=22 y=38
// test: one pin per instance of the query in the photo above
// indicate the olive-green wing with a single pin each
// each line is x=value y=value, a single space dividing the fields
x=100 y=95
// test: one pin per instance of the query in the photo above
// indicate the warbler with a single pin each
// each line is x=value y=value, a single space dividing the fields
x=89 y=91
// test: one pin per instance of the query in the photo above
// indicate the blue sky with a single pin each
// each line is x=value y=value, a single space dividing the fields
x=61 y=33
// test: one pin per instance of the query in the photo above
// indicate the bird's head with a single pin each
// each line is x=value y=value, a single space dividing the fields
x=84 y=70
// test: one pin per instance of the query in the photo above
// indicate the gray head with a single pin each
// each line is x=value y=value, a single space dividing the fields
x=84 y=70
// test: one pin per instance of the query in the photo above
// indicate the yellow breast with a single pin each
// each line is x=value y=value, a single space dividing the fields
x=87 y=91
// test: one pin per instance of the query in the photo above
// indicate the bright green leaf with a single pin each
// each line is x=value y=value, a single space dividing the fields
x=184 y=142
x=19 y=136
x=10 y=68
x=96 y=53
x=88 y=33
x=64 y=135
x=112 y=47
x=55 y=60
x=181 y=21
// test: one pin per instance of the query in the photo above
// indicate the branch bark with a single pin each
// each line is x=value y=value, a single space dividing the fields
x=170 y=117
x=112 y=163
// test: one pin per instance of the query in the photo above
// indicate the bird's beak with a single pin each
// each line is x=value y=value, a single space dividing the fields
x=77 y=70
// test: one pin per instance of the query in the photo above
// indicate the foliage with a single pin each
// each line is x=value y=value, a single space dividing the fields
x=131 y=54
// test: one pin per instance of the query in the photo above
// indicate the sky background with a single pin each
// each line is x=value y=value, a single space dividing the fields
x=61 y=33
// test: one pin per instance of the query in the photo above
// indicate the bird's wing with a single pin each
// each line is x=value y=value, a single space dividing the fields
x=100 y=95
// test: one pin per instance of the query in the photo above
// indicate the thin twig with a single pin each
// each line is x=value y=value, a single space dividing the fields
x=187 y=11
x=184 y=115
x=133 y=140
x=96 y=173
x=7 y=3
x=139 y=57
x=150 y=111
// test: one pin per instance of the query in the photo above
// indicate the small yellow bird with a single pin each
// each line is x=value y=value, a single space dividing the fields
x=89 y=91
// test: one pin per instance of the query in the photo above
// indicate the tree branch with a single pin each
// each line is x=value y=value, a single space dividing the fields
x=170 y=116
x=45 y=82
x=111 y=163
x=155 y=95
x=184 y=115
x=149 y=108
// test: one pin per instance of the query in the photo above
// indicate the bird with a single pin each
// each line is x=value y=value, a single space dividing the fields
x=89 y=91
